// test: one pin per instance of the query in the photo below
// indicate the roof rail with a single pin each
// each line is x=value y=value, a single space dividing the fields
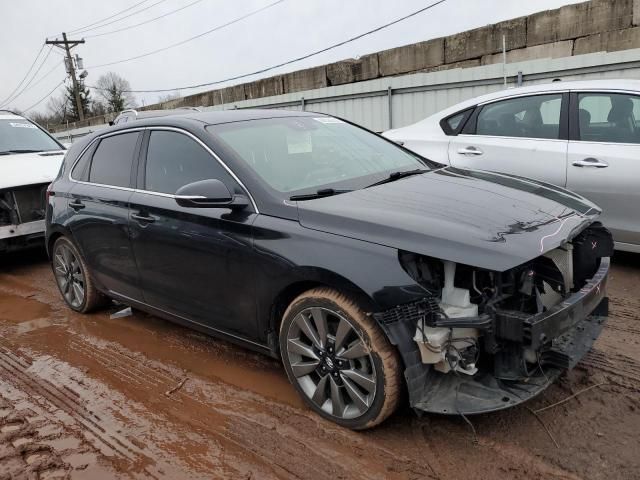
x=188 y=108
x=7 y=110
x=128 y=110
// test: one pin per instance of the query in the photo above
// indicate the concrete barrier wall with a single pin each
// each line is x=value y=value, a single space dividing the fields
x=579 y=29
x=392 y=102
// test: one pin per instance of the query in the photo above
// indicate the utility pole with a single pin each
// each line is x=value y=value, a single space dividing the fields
x=67 y=45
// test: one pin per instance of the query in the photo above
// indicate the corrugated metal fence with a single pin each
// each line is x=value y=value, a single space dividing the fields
x=393 y=102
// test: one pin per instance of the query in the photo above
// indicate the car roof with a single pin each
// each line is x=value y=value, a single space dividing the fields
x=8 y=114
x=561 y=86
x=432 y=121
x=215 y=117
x=187 y=119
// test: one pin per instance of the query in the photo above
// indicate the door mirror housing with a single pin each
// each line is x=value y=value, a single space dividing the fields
x=211 y=193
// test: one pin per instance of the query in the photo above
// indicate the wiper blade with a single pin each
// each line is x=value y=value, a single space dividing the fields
x=324 y=192
x=9 y=152
x=393 y=176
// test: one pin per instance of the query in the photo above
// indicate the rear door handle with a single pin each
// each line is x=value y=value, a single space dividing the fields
x=590 y=162
x=470 y=151
x=142 y=218
x=76 y=205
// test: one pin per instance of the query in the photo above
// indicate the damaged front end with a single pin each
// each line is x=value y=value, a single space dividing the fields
x=483 y=340
x=22 y=214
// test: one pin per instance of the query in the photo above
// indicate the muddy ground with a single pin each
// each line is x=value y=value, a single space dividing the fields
x=138 y=397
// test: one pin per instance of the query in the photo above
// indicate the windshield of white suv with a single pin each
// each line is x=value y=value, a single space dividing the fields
x=19 y=135
x=304 y=154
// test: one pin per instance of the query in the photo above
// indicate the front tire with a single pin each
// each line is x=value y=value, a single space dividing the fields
x=339 y=360
x=73 y=278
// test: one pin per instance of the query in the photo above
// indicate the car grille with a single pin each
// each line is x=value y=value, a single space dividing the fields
x=22 y=205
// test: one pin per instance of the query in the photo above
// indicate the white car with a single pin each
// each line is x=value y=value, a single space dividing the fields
x=30 y=159
x=583 y=135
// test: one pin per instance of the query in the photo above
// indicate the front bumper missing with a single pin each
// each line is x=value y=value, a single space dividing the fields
x=562 y=336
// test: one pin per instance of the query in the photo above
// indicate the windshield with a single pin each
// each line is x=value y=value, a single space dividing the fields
x=305 y=154
x=19 y=134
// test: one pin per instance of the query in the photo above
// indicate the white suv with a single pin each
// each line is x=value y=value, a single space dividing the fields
x=583 y=135
x=30 y=159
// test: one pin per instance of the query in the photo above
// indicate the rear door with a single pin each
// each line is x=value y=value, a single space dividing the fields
x=524 y=136
x=99 y=209
x=604 y=159
x=196 y=263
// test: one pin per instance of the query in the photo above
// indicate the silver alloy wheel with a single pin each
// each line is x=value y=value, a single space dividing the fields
x=69 y=275
x=331 y=362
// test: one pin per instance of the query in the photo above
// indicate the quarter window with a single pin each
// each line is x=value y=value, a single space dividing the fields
x=112 y=161
x=452 y=124
x=537 y=116
x=609 y=117
x=81 y=170
x=175 y=160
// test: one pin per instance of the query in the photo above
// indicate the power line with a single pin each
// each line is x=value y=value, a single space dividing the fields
x=45 y=97
x=304 y=57
x=35 y=74
x=143 y=23
x=109 y=18
x=219 y=27
x=81 y=31
x=25 y=76
x=49 y=72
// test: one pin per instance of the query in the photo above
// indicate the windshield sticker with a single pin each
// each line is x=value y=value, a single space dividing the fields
x=22 y=125
x=299 y=142
x=326 y=120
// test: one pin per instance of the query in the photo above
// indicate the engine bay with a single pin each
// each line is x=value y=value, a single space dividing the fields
x=476 y=319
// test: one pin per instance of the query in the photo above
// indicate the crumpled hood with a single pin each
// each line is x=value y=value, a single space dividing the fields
x=477 y=218
x=29 y=168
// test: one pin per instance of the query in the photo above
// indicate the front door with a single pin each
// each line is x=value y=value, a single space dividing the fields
x=521 y=136
x=99 y=209
x=196 y=263
x=604 y=160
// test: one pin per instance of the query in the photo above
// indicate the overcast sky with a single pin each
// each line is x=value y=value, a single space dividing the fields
x=288 y=30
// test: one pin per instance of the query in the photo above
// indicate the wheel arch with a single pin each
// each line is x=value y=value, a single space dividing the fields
x=308 y=279
x=54 y=232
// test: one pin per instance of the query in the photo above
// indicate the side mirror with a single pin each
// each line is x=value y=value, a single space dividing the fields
x=210 y=193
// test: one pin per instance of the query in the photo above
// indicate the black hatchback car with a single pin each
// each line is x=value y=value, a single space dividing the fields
x=370 y=271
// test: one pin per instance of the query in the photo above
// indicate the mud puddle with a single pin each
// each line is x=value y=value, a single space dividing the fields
x=138 y=397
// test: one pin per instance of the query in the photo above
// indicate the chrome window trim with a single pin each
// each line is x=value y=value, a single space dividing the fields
x=149 y=192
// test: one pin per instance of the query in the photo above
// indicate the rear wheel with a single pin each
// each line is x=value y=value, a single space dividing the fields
x=339 y=360
x=73 y=278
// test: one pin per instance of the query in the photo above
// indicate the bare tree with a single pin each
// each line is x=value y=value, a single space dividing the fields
x=113 y=90
x=58 y=108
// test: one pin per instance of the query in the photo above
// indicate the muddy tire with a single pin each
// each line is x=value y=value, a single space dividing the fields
x=339 y=360
x=73 y=277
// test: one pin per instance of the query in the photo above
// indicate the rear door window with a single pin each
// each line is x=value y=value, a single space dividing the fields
x=609 y=117
x=536 y=116
x=113 y=160
x=175 y=160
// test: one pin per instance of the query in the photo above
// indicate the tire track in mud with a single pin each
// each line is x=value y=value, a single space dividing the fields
x=24 y=451
x=108 y=443
x=615 y=365
x=251 y=432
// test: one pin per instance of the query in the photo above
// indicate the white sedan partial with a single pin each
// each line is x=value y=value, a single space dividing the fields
x=583 y=136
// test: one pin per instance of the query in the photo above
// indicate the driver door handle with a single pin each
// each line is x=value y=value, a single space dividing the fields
x=142 y=218
x=590 y=162
x=470 y=151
